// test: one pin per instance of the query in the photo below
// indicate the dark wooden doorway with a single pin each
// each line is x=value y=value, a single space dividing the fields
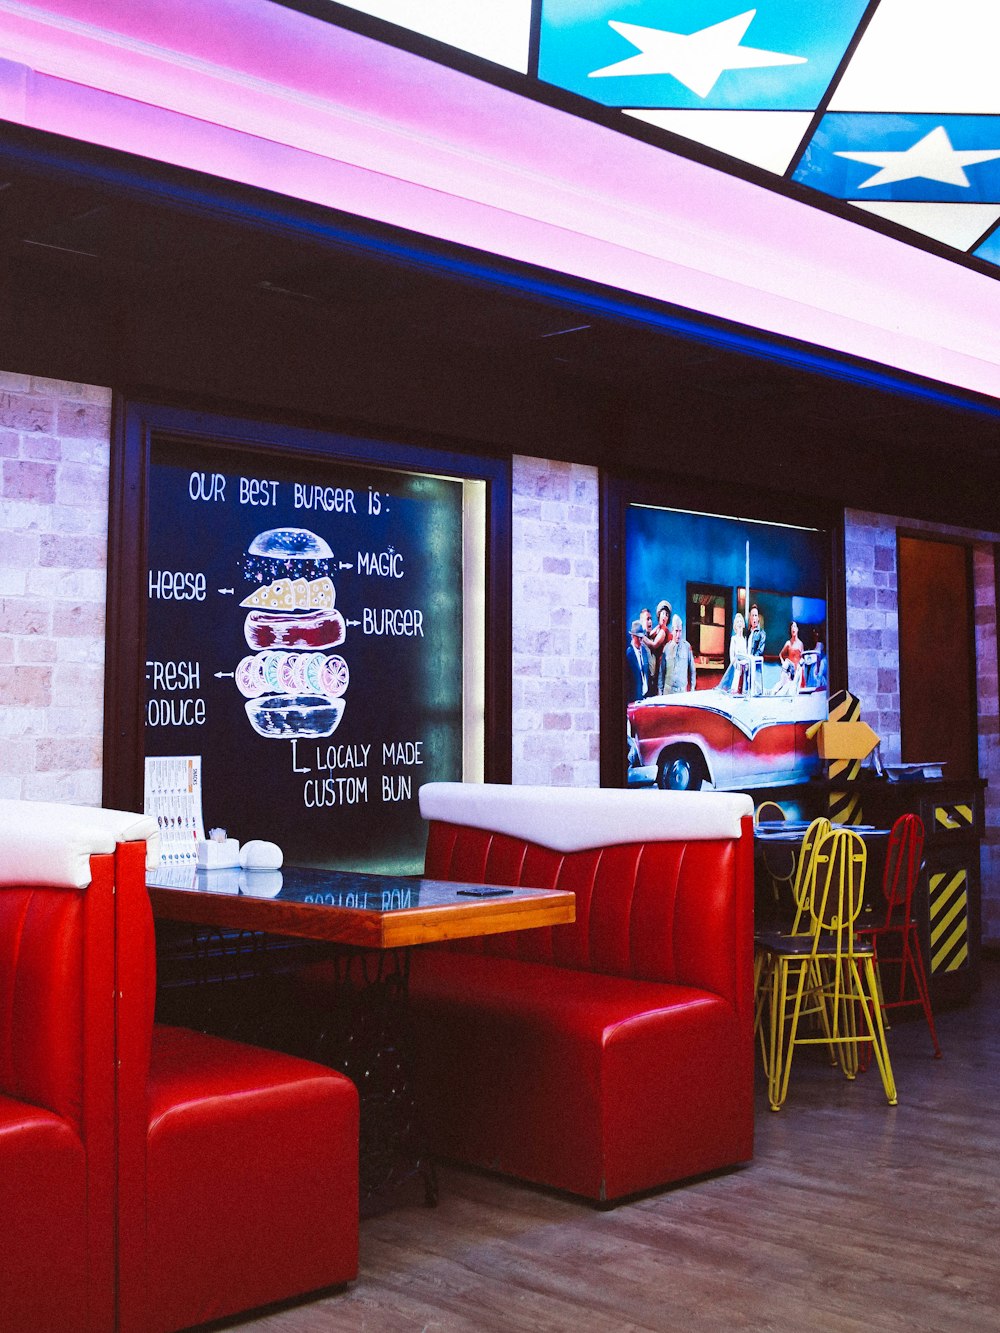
x=937 y=655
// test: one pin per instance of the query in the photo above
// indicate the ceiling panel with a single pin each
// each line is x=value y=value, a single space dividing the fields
x=869 y=102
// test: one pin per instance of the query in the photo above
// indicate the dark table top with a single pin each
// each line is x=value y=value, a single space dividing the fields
x=793 y=830
x=348 y=907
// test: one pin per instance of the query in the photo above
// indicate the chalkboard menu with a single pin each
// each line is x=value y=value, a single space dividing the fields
x=305 y=637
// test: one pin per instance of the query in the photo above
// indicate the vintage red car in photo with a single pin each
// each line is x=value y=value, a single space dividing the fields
x=725 y=739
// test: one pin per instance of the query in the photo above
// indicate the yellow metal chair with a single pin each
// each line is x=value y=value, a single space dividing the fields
x=827 y=967
x=768 y=812
x=779 y=858
x=804 y=869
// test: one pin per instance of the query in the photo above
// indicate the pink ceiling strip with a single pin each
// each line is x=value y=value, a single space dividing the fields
x=252 y=92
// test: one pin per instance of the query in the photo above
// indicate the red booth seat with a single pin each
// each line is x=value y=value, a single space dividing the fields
x=57 y=1087
x=151 y=1178
x=615 y=1054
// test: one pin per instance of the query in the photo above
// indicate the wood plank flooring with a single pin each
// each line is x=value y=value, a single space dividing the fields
x=853 y=1216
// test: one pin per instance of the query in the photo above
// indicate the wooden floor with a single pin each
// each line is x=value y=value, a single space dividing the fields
x=853 y=1216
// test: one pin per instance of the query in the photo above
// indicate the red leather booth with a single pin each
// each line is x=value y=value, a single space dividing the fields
x=57 y=1090
x=609 y=1056
x=151 y=1178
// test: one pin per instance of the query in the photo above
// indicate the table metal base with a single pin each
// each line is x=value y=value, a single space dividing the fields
x=337 y=1005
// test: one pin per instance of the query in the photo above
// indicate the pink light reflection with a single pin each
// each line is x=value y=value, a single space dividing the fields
x=260 y=94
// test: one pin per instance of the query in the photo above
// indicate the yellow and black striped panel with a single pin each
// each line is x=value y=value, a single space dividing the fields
x=845 y=770
x=844 y=807
x=949 y=818
x=844 y=707
x=948 y=893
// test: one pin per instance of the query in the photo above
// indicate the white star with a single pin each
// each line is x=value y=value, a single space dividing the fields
x=932 y=158
x=696 y=59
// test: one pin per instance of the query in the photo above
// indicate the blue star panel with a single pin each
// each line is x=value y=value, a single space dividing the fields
x=670 y=57
x=895 y=141
x=990 y=249
x=577 y=39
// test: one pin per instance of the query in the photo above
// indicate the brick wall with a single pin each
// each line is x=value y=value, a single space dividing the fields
x=873 y=661
x=54 y=444
x=873 y=623
x=555 y=624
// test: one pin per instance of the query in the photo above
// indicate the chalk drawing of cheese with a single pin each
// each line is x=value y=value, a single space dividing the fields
x=293 y=595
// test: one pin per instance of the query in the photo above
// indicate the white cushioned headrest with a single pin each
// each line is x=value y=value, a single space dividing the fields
x=574 y=819
x=43 y=843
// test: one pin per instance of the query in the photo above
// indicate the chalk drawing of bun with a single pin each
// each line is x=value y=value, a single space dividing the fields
x=281 y=716
x=290 y=544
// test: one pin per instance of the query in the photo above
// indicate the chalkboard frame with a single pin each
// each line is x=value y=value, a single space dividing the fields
x=138 y=421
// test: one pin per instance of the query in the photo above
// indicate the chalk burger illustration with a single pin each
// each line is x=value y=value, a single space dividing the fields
x=292 y=686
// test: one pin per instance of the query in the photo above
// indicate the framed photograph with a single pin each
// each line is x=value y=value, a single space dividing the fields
x=721 y=630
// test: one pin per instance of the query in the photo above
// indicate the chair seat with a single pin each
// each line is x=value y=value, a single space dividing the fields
x=43 y=1191
x=802 y=945
x=591 y=1006
x=577 y=1080
x=231 y=1128
x=26 y=1121
x=778 y=941
x=190 y=1068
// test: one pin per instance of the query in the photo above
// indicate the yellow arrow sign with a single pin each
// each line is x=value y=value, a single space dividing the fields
x=843 y=740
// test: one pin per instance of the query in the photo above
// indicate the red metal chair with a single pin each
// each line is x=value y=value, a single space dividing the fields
x=902 y=870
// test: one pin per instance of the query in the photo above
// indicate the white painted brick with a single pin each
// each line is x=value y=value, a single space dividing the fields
x=556 y=632
x=36 y=649
x=70 y=391
x=41 y=448
x=87 y=585
x=583 y=515
x=13 y=582
x=84 y=522
x=72 y=788
x=22 y=722
x=80 y=485
x=25 y=516
x=80 y=649
x=74 y=722
x=13 y=382
x=76 y=683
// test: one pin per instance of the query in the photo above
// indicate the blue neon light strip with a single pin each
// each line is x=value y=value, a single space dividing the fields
x=201 y=200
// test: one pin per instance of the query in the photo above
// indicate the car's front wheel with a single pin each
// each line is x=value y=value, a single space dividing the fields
x=679 y=770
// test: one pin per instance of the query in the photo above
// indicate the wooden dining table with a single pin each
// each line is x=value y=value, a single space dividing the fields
x=347 y=1006
x=368 y=911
